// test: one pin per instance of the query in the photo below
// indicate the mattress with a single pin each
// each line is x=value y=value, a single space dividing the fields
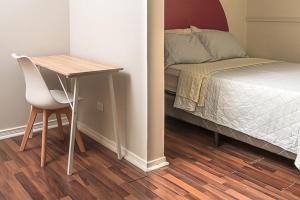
x=261 y=100
x=173 y=72
x=171 y=79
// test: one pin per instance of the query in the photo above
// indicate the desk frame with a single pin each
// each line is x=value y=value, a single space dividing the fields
x=79 y=67
x=75 y=118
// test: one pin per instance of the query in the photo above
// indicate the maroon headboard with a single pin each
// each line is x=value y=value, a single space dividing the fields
x=206 y=14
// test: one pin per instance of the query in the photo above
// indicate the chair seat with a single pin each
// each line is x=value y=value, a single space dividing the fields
x=60 y=96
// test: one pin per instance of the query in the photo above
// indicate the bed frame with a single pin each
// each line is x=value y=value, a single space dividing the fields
x=206 y=14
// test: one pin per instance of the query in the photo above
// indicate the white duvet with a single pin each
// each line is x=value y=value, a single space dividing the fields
x=261 y=100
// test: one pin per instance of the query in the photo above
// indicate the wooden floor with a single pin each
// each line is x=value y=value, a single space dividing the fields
x=197 y=170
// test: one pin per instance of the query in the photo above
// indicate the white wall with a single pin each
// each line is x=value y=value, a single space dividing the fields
x=30 y=27
x=114 y=32
x=274 y=29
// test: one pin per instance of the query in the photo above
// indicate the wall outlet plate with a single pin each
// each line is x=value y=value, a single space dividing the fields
x=100 y=106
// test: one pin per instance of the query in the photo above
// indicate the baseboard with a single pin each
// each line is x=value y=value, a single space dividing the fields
x=128 y=155
x=157 y=163
x=20 y=130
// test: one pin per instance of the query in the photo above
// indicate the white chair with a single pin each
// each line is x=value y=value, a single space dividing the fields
x=44 y=101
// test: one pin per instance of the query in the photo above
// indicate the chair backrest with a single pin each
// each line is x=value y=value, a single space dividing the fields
x=37 y=92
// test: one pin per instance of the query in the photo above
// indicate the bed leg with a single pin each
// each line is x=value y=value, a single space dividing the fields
x=217 y=139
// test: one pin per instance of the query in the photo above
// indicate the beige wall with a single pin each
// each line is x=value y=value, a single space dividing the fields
x=31 y=27
x=155 y=79
x=114 y=32
x=236 y=11
x=274 y=29
x=273 y=8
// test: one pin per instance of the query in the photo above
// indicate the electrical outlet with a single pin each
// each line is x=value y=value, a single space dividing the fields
x=100 y=106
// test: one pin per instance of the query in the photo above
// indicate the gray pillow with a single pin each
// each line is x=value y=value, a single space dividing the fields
x=221 y=45
x=184 y=49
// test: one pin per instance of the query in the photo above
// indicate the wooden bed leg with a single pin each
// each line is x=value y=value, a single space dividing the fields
x=217 y=139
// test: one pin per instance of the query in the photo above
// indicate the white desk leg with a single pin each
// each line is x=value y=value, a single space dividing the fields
x=114 y=115
x=73 y=127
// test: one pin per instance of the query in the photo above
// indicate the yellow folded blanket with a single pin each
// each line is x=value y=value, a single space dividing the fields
x=193 y=78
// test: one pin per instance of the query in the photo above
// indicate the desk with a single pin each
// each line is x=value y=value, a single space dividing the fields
x=73 y=67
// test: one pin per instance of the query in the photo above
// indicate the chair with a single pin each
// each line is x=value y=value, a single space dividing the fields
x=44 y=101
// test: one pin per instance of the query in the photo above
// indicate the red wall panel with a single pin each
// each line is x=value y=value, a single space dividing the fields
x=201 y=13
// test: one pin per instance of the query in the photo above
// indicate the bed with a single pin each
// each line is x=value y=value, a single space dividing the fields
x=253 y=100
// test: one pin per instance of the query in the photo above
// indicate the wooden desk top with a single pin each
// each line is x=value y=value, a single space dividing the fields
x=70 y=66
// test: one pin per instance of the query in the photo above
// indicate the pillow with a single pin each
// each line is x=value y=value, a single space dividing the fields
x=184 y=48
x=179 y=31
x=195 y=29
x=221 y=45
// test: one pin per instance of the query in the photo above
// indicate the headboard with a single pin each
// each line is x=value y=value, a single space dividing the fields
x=206 y=14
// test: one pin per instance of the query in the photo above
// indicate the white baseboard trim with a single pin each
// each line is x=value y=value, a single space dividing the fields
x=274 y=19
x=129 y=156
x=20 y=130
x=157 y=163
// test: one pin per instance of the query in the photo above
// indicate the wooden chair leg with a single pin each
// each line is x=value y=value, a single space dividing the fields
x=28 y=130
x=78 y=137
x=59 y=125
x=44 y=137
x=79 y=141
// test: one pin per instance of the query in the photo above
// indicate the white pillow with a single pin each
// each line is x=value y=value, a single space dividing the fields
x=195 y=29
x=221 y=45
x=179 y=31
x=184 y=49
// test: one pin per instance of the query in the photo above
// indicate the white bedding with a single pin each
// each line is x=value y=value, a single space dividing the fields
x=261 y=100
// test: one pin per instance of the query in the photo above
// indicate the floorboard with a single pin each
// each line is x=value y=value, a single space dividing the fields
x=197 y=170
